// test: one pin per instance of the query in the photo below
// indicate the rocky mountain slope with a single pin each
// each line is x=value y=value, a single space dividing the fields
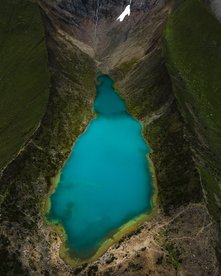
x=193 y=60
x=168 y=74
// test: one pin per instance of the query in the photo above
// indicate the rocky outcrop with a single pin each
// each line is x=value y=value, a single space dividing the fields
x=216 y=8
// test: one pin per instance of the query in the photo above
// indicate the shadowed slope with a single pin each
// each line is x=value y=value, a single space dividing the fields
x=24 y=85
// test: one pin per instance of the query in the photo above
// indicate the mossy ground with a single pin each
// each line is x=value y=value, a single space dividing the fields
x=193 y=50
x=24 y=85
x=193 y=37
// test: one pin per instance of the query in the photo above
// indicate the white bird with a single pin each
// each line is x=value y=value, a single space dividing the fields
x=124 y=13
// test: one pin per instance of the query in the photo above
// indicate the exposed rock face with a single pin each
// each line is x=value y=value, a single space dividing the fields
x=216 y=8
x=93 y=24
x=182 y=239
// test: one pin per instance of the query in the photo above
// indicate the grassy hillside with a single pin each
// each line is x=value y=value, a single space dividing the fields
x=193 y=48
x=24 y=77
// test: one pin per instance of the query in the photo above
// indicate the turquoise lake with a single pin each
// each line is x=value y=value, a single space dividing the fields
x=106 y=181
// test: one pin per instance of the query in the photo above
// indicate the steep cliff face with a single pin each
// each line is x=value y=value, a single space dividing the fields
x=82 y=37
x=92 y=26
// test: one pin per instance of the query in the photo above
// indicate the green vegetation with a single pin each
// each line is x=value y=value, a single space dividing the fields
x=24 y=77
x=212 y=192
x=193 y=49
x=178 y=180
x=173 y=255
x=26 y=182
x=193 y=38
x=148 y=94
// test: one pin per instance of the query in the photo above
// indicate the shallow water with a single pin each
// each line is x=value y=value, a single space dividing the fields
x=106 y=181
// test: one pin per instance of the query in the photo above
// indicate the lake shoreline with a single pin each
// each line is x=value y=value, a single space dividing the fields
x=122 y=231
